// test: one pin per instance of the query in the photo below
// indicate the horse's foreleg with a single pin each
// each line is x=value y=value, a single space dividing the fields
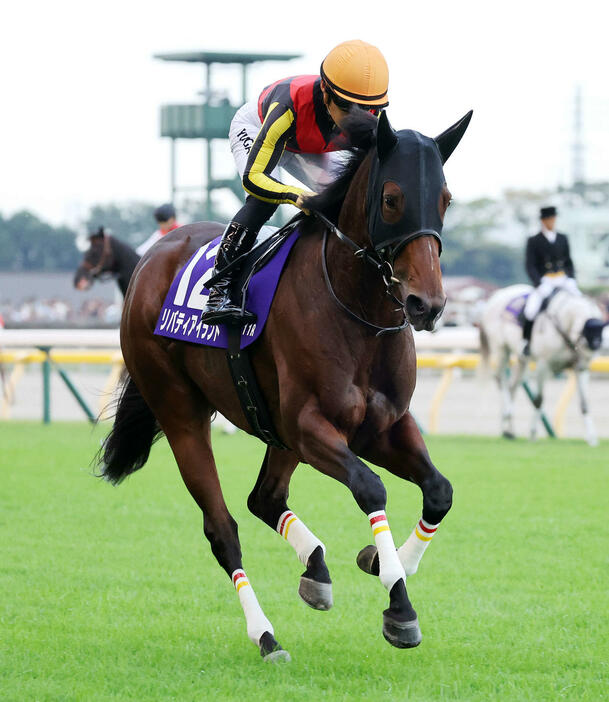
x=268 y=501
x=325 y=448
x=582 y=376
x=541 y=374
x=402 y=451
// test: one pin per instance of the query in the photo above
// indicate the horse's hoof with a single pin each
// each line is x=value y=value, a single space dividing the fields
x=279 y=656
x=271 y=651
x=508 y=435
x=368 y=560
x=315 y=594
x=401 y=634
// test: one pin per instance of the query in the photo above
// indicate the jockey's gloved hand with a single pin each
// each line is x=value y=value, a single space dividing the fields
x=302 y=198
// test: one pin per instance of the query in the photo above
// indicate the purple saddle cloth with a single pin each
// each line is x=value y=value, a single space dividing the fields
x=180 y=316
x=516 y=306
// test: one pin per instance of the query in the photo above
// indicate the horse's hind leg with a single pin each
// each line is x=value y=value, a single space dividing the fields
x=268 y=501
x=402 y=451
x=582 y=376
x=186 y=423
x=193 y=453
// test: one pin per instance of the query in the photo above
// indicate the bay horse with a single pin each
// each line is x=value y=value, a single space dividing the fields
x=337 y=378
x=566 y=335
x=109 y=256
x=106 y=256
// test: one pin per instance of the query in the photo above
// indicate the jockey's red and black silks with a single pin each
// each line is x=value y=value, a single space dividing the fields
x=294 y=117
x=313 y=131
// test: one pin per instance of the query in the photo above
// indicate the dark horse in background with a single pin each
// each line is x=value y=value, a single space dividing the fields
x=338 y=390
x=106 y=257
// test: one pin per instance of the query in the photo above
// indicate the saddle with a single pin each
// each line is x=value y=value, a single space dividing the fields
x=516 y=306
x=258 y=277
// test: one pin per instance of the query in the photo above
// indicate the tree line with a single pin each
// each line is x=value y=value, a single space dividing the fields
x=27 y=243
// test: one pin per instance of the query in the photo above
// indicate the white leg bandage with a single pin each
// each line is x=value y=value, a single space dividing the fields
x=256 y=621
x=390 y=568
x=412 y=551
x=302 y=540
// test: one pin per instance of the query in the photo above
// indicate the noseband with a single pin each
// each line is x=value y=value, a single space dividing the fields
x=382 y=261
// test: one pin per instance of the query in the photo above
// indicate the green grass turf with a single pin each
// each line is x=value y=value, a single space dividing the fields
x=113 y=594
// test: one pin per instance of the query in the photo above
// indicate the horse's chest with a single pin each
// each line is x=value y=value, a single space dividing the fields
x=382 y=411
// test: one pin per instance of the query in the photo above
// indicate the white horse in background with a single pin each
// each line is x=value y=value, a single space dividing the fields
x=567 y=334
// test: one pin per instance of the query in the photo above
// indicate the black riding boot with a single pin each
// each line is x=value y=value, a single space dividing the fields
x=224 y=305
x=527 y=328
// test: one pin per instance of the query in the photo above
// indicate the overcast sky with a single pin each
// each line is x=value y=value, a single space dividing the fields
x=81 y=91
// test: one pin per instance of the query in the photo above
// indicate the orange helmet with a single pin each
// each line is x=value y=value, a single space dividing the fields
x=357 y=72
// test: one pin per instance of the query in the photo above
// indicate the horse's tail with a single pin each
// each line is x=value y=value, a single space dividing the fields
x=127 y=446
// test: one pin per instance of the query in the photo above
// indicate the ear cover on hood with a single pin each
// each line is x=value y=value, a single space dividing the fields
x=413 y=162
x=449 y=140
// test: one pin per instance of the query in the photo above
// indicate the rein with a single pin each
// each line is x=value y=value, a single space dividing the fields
x=571 y=345
x=382 y=265
x=376 y=259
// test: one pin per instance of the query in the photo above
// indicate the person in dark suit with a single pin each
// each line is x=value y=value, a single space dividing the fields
x=549 y=266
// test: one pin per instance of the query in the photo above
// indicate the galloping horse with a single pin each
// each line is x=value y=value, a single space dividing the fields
x=337 y=384
x=565 y=335
x=109 y=256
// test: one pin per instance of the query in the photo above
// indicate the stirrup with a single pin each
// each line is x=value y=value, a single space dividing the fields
x=222 y=309
x=230 y=315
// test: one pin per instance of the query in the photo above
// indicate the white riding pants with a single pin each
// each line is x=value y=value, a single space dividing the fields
x=545 y=288
x=313 y=171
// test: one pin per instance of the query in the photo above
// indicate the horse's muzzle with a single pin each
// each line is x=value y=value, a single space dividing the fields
x=422 y=312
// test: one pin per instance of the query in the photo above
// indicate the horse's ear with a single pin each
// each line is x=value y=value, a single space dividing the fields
x=447 y=141
x=386 y=138
x=99 y=234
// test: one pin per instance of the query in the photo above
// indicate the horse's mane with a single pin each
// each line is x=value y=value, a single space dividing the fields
x=360 y=128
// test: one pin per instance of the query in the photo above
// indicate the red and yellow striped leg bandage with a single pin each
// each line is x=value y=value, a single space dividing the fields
x=256 y=621
x=302 y=540
x=390 y=568
x=413 y=549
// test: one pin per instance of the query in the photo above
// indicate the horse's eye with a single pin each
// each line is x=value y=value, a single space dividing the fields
x=390 y=201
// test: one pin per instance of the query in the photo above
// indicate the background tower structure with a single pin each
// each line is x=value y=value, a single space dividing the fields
x=577 y=147
x=209 y=119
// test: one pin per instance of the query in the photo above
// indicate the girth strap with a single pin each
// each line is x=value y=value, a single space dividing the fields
x=250 y=396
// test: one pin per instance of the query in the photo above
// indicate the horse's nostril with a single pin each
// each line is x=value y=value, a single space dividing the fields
x=416 y=307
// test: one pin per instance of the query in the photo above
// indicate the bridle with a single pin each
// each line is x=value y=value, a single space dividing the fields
x=382 y=261
x=106 y=256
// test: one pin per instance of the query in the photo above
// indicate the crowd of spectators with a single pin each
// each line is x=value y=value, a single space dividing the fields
x=56 y=312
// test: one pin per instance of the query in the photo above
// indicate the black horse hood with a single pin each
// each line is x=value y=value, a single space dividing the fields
x=414 y=163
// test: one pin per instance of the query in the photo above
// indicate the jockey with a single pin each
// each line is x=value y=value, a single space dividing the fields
x=549 y=265
x=295 y=124
x=165 y=216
